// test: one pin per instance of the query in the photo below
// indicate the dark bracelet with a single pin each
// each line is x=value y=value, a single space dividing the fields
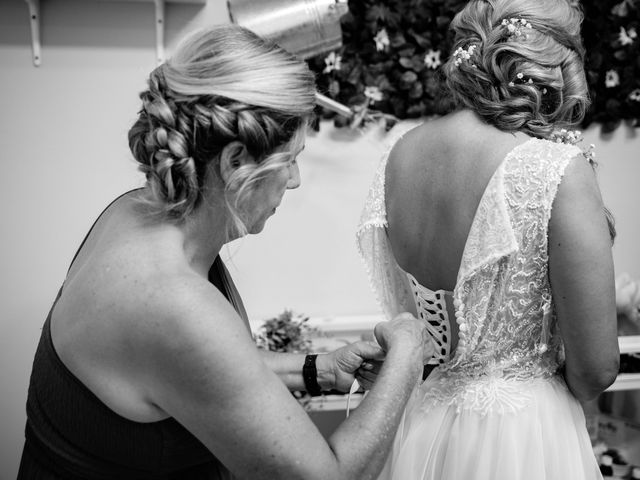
x=310 y=376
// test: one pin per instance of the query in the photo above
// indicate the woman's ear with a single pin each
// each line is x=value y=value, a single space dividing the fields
x=234 y=155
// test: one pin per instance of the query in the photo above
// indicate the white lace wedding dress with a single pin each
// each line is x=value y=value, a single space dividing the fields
x=497 y=408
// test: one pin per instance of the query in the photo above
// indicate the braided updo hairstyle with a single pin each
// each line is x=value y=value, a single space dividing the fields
x=525 y=77
x=224 y=85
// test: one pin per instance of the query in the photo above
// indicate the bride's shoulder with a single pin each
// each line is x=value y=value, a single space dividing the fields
x=407 y=139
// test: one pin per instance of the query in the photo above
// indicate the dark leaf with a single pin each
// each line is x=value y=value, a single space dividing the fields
x=416 y=90
x=421 y=41
x=409 y=76
x=334 y=88
x=406 y=62
x=620 y=55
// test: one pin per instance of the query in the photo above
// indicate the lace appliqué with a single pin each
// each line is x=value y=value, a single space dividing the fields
x=508 y=331
x=493 y=392
x=387 y=280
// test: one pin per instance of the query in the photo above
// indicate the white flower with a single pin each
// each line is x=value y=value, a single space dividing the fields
x=463 y=54
x=373 y=93
x=382 y=40
x=332 y=62
x=432 y=59
x=515 y=27
x=566 y=136
x=626 y=37
x=612 y=79
x=621 y=9
x=635 y=95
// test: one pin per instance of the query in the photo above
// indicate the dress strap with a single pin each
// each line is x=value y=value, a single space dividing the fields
x=84 y=240
x=219 y=276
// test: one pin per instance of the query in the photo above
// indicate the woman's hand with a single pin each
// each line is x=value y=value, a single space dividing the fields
x=362 y=360
x=369 y=370
x=368 y=373
x=338 y=369
x=403 y=329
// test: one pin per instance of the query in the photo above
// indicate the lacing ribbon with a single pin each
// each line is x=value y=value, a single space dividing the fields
x=355 y=386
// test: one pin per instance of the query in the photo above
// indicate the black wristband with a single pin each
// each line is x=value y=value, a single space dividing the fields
x=310 y=376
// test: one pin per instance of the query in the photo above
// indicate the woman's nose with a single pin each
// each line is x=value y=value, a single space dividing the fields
x=294 y=176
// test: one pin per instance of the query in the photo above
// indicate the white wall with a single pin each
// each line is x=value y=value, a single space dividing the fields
x=64 y=155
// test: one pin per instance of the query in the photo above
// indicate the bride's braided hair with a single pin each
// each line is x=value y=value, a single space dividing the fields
x=213 y=93
x=525 y=77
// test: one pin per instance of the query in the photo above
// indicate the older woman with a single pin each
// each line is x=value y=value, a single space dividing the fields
x=145 y=368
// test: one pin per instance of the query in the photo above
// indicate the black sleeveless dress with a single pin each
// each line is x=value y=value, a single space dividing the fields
x=71 y=434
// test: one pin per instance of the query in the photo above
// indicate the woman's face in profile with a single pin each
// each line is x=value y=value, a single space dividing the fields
x=268 y=193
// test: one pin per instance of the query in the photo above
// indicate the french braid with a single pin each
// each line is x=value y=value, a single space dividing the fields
x=183 y=125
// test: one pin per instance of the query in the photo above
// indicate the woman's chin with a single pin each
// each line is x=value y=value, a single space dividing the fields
x=257 y=227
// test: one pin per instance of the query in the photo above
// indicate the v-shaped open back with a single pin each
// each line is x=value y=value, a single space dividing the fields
x=501 y=388
x=432 y=305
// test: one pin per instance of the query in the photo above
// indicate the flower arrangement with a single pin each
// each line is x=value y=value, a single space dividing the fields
x=388 y=66
x=610 y=32
x=287 y=332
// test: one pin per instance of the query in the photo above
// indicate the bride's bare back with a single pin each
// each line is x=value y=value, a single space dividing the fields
x=435 y=177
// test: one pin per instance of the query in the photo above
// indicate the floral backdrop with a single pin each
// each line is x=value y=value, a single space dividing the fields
x=388 y=66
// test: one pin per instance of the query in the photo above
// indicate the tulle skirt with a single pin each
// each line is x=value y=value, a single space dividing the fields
x=545 y=438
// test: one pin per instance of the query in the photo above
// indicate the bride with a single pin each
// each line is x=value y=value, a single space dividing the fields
x=488 y=224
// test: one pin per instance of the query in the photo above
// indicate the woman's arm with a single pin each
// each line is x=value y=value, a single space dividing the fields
x=336 y=369
x=209 y=375
x=582 y=282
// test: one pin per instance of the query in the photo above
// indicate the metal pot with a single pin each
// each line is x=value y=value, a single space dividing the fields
x=303 y=27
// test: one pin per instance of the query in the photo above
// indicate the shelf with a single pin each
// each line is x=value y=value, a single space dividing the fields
x=629 y=343
x=625 y=381
x=34 y=20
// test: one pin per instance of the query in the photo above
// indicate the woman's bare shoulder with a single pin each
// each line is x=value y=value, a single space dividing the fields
x=183 y=305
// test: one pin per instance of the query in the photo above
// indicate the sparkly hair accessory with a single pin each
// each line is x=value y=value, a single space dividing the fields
x=522 y=80
x=516 y=27
x=566 y=136
x=573 y=137
x=464 y=54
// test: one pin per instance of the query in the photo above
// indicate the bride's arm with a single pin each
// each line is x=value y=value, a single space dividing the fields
x=582 y=281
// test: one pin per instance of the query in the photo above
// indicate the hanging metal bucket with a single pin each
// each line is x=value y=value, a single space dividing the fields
x=306 y=28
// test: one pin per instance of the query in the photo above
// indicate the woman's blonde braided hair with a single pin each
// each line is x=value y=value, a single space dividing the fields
x=212 y=93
